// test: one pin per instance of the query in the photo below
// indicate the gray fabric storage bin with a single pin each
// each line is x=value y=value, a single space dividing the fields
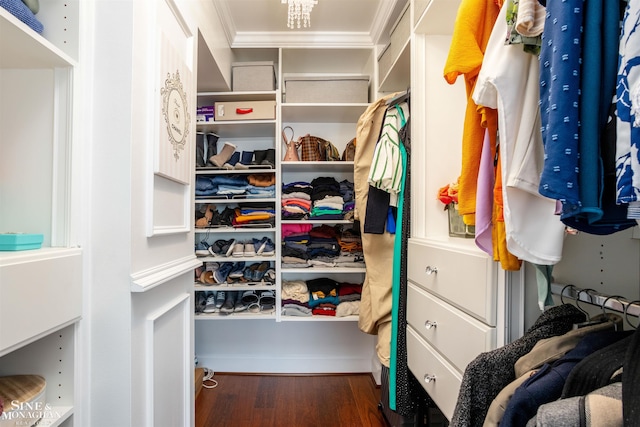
x=253 y=76
x=324 y=88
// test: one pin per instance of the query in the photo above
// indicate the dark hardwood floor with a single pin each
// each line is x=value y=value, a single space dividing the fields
x=291 y=401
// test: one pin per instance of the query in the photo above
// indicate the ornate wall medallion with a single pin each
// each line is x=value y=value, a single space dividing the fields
x=176 y=112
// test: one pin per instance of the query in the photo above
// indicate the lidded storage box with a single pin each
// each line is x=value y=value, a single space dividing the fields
x=253 y=76
x=20 y=241
x=326 y=88
x=245 y=110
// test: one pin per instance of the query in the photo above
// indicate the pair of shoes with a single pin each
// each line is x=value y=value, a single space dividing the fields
x=202 y=248
x=221 y=274
x=225 y=155
x=265 y=157
x=200 y=303
x=223 y=247
x=246 y=160
x=264 y=246
x=210 y=302
x=255 y=272
x=229 y=302
x=237 y=272
x=205 y=215
x=267 y=302
x=243 y=249
x=206 y=277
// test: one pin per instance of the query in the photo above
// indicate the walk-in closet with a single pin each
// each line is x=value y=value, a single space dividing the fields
x=236 y=207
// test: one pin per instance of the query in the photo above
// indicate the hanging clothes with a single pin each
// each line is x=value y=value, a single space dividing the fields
x=508 y=82
x=486 y=375
x=375 y=306
x=472 y=30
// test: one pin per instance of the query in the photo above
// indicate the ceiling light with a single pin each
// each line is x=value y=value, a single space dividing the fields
x=300 y=10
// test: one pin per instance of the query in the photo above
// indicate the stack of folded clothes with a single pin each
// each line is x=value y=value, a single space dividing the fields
x=221 y=186
x=261 y=185
x=349 y=295
x=327 y=201
x=295 y=298
x=254 y=215
x=348 y=196
x=294 y=250
x=296 y=200
x=323 y=246
x=351 y=254
x=323 y=296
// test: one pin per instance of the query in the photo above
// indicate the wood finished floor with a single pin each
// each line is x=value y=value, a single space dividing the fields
x=291 y=401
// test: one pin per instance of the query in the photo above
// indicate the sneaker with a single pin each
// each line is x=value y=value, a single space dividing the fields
x=238 y=249
x=239 y=304
x=229 y=302
x=220 y=298
x=249 y=249
x=259 y=244
x=220 y=275
x=200 y=302
x=237 y=271
x=227 y=249
x=269 y=248
x=259 y=272
x=210 y=303
x=202 y=248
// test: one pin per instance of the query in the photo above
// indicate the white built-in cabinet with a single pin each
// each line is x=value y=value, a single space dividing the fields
x=258 y=342
x=40 y=289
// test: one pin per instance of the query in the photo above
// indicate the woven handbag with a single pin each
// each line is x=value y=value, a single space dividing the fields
x=310 y=150
x=349 y=153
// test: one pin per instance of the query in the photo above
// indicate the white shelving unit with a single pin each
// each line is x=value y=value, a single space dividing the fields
x=37 y=163
x=339 y=346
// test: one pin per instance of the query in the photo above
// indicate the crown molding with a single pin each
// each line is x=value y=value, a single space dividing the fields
x=226 y=20
x=379 y=24
x=301 y=39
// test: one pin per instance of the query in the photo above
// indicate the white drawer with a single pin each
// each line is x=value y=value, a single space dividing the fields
x=458 y=336
x=465 y=279
x=437 y=376
x=39 y=291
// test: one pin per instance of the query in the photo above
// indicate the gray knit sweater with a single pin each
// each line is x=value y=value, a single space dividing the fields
x=491 y=371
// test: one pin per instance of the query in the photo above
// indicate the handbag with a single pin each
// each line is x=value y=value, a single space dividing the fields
x=310 y=149
x=292 y=146
x=349 y=153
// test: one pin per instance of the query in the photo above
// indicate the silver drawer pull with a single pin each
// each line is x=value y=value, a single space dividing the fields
x=431 y=270
x=429 y=378
x=430 y=324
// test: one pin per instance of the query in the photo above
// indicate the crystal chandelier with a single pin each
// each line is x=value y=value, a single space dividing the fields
x=299 y=10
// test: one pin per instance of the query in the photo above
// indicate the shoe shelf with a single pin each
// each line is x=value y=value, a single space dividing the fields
x=316 y=318
x=221 y=200
x=255 y=258
x=235 y=316
x=215 y=230
x=220 y=171
x=247 y=286
x=238 y=129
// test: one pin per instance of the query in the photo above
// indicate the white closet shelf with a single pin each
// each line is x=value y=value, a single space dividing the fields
x=317 y=166
x=22 y=47
x=332 y=270
x=320 y=318
x=234 y=230
x=215 y=171
x=233 y=201
x=199 y=287
x=257 y=258
x=238 y=128
x=204 y=97
x=316 y=221
x=235 y=316
x=322 y=113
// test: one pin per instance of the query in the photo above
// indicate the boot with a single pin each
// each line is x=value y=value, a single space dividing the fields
x=200 y=156
x=211 y=146
x=223 y=156
x=259 y=156
x=245 y=160
x=269 y=158
x=235 y=158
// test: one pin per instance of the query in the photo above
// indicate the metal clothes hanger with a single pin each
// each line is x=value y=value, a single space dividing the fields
x=614 y=318
x=626 y=308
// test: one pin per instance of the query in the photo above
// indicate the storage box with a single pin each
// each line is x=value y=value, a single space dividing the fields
x=204 y=114
x=245 y=110
x=20 y=241
x=457 y=227
x=325 y=88
x=253 y=76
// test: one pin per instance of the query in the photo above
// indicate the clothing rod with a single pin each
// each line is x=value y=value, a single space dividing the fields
x=596 y=298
